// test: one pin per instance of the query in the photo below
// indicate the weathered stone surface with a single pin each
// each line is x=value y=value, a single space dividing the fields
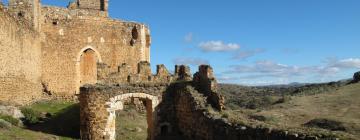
x=57 y=49
x=11 y=111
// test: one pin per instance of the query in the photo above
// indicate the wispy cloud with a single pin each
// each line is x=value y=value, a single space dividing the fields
x=226 y=78
x=190 y=61
x=242 y=55
x=188 y=38
x=344 y=63
x=268 y=68
x=218 y=46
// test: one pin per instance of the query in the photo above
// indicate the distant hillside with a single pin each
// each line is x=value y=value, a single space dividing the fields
x=262 y=96
x=332 y=107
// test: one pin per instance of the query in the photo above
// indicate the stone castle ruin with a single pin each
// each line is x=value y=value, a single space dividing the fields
x=57 y=49
x=79 y=53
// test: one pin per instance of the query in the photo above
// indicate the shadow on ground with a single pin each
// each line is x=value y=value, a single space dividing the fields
x=66 y=123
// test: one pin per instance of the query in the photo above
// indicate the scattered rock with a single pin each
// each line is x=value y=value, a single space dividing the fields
x=138 y=129
x=326 y=124
x=11 y=111
x=356 y=77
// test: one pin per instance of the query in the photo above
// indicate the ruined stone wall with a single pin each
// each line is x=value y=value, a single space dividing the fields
x=205 y=82
x=20 y=67
x=98 y=104
x=28 y=10
x=68 y=33
x=124 y=74
x=161 y=91
x=195 y=122
x=94 y=5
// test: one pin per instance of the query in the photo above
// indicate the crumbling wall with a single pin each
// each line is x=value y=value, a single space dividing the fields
x=205 y=82
x=98 y=104
x=195 y=122
x=28 y=10
x=124 y=74
x=20 y=67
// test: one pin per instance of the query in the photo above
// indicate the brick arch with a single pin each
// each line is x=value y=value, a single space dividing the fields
x=117 y=103
x=78 y=64
x=78 y=57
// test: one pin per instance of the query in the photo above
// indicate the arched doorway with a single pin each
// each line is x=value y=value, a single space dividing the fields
x=117 y=103
x=88 y=70
x=86 y=67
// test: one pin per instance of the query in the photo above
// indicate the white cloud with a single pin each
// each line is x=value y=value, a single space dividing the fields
x=345 y=63
x=269 y=72
x=226 y=78
x=241 y=55
x=218 y=46
x=271 y=69
x=190 y=61
x=188 y=37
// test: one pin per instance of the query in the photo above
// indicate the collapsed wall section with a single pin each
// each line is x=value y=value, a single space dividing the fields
x=194 y=121
x=20 y=67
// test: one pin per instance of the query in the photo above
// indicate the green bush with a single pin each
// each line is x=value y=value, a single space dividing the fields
x=31 y=116
x=4 y=124
x=9 y=119
x=225 y=115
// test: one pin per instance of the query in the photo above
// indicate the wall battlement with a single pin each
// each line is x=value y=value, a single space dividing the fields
x=144 y=74
x=203 y=80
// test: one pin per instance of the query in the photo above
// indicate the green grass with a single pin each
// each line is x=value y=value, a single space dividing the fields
x=52 y=107
x=128 y=122
x=24 y=134
x=10 y=119
x=291 y=112
x=63 y=123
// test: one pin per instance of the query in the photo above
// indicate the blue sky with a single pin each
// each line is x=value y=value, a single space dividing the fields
x=251 y=42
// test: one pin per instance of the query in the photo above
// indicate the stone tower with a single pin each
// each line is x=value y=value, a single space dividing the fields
x=94 y=5
x=27 y=9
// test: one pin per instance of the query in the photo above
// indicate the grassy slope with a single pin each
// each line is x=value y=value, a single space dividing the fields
x=54 y=108
x=338 y=103
x=341 y=105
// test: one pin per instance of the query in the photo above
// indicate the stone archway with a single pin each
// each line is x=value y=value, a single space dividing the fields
x=86 y=66
x=117 y=103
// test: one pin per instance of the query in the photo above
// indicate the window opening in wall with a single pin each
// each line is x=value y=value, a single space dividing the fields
x=102 y=5
x=164 y=130
x=20 y=14
x=134 y=36
x=55 y=22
